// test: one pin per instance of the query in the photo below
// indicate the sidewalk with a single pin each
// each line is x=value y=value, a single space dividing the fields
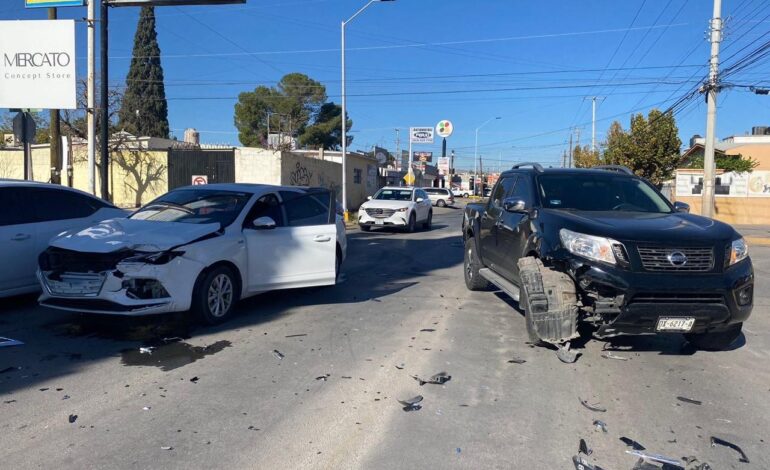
x=757 y=235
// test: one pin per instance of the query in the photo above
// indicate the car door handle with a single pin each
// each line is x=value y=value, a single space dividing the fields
x=322 y=238
x=21 y=237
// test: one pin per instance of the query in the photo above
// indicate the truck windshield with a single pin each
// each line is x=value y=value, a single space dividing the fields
x=594 y=192
x=194 y=206
x=394 y=195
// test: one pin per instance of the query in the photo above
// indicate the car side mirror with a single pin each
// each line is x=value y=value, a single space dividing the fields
x=514 y=205
x=264 y=223
x=419 y=199
x=368 y=198
x=682 y=207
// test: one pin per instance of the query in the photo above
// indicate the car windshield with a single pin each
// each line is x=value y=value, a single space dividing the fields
x=194 y=206
x=394 y=195
x=595 y=192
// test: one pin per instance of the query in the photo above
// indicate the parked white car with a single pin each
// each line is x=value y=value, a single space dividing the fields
x=199 y=248
x=459 y=192
x=396 y=207
x=440 y=197
x=30 y=215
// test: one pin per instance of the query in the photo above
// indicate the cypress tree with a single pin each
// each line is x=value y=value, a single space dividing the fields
x=144 y=111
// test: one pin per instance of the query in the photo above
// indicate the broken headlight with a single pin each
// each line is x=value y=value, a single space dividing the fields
x=588 y=246
x=144 y=289
x=739 y=251
x=161 y=257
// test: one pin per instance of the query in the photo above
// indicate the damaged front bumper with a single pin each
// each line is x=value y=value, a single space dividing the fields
x=126 y=288
x=622 y=301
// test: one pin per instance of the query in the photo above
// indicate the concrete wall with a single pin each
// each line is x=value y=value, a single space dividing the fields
x=255 y=165
x=735 y=211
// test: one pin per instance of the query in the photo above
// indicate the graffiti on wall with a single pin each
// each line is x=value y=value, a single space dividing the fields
x=301 y=176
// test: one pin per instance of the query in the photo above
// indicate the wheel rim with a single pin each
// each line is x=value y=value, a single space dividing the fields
x=220 y=297
x=469 y=264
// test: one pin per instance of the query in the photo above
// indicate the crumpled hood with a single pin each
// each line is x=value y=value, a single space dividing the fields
x=385 y=204
x=638 y=226
x=140 y=235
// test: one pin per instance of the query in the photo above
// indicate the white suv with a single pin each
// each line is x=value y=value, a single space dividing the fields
x=395 y=206
x=460 y=192
x=440 y=197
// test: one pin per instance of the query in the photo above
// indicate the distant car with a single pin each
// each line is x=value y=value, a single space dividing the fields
x=30 y=215
x=199 y=248
x=440 y=197
x=487 y=192
x=459 y=192
x=396 y=207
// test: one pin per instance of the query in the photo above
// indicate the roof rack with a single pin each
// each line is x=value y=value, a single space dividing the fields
x=618 y=168
x=536 y=166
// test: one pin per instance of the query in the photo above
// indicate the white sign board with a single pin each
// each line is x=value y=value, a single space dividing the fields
x=443 y=165
x=444 y=128
x=37 y=64
x=689 y=183
x=421 y=135
x=199 y=179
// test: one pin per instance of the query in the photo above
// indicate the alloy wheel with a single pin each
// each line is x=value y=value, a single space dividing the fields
x=220 y=295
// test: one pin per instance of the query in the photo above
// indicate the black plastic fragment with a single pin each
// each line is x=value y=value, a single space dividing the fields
x=717 y=441
x=428 y=330
x=278 y=354
x=323 y=377
x=583 y=464
x=689 y=400
x=73 y=418
x=296 y=336
x=194 y=380
x=632 y=443
x=436 y=379
x=412 y=403
x=596 y=407
x=600 y=425
x=583 y=448
x=516 y=360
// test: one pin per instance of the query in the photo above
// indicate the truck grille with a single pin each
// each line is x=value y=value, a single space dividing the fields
x=666 y=259
x=380 y=213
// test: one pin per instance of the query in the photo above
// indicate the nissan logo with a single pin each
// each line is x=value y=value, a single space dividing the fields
x=677 y=258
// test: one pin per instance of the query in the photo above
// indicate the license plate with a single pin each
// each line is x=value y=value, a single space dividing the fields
x=379 y=222
x=675 y=324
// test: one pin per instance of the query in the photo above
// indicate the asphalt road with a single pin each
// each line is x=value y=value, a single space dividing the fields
x=223 y=399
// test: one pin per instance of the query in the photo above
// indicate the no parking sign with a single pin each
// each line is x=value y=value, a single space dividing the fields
x=200 y=179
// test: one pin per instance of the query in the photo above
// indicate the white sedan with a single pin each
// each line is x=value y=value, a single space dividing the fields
x=199 y=248
x=30 y=215
x=396 y=207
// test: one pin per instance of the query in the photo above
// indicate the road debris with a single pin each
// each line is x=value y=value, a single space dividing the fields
x=428 y=330
x=516 y=360
x=645 y=458
x=595 y=407
x=689 y=400
x=65 y=397
x=632 y=443
x=600 y=425
x=323 y=377
x=583 y=464
x=6 y=342
x=437 y=379
x=411 y=404
x=566 y=355
x=715 y=441
x=73 y=418
x=8 y=402
x=583 y=448
x=166 y=448
x=609 y=355
x=146 y=350
x=278 y=354
x=296 y=336
x=401 y=367
x=194 y=379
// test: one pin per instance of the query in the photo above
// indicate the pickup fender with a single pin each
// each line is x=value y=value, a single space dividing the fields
x=471 y=229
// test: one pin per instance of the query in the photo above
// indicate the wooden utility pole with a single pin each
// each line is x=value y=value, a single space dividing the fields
x=54 y=128
x=712 y=89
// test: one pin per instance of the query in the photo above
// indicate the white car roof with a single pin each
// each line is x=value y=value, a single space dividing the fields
x=11 y=183
x=398 y=187
x=245 y=187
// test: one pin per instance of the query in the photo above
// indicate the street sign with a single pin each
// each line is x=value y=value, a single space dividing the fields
x=409 y=177
x=198 y=180
x=53 y=3
x=381 y=155
x=421 y=135
x=423 y=156
x=24 y=128
x=444 y=129
x=37 y=69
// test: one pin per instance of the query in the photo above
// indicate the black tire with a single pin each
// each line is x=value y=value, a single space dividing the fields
x=428 y=224
x=716 y=341
x=365 y=228
x=465 y=195
x=211 y=301
x=441 y=203
x=410 y=226
x=471 y=266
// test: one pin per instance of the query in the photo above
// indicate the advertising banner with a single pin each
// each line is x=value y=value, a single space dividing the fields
x=690 y=183
x=423 y=157
x=421 y=135
x=37 y=64
x=53 y=3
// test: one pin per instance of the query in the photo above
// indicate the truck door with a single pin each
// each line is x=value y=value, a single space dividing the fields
x=491 y=219
x=514 y=230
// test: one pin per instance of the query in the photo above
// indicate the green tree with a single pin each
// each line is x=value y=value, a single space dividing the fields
x=736 y=163
x=584 y=157
x=650 y=148
x=144 y=111
x=326 y=131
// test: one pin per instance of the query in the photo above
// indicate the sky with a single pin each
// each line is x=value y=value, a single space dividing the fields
x=534 y=65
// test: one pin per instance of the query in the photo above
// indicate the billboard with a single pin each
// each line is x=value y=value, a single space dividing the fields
x=53 y=3
x=37 y=64
x=423 y=157
x=421 y=135
x=443 y=165
x=167 y=3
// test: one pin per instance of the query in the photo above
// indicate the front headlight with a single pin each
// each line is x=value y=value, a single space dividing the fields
x=588 y=246
x=402 y=209
x=161 y=257
x=739 y=251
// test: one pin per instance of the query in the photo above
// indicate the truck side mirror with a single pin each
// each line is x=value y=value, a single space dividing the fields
x=682 y=207
x=514 y=205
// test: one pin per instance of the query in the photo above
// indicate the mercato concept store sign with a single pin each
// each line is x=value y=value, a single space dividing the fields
x=37 y=69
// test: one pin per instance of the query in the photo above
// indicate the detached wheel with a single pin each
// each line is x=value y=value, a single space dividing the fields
x=471 y=266
x=428 y=224
x=716 y=341
x=411 y=224
x=215 y=295
x=365 y=228
x=441 y=203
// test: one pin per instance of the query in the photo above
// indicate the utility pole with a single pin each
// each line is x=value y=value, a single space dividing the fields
x=105 y=101
x=398 y=149
x=91 y=96
x=712 y=89
x=481 y=177
x=593 y=124
x=55 y=132
x=570 y=150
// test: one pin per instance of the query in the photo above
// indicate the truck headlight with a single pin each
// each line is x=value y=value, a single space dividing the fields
x=588 y=246
x=739 y=251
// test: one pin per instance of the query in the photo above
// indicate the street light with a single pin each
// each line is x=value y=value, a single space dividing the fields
x=345 y=111
x=476 y=155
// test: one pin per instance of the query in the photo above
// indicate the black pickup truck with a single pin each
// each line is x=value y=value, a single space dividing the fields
x=606 y=247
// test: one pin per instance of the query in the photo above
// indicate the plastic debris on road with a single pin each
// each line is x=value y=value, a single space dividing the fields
x=166 y=448
x=644 y=457
x=278 y=354
x=600 y=425
x=73 y=418
x=595 y=407
x=437 y=379
x=516 y=360
x=609 y=355
x=194 y=380
x=566 y=355
x=689 y=400
x=583 y=448
x=632 y=443
x=296 y=336
x=323 y=377
x=411 y=404
x=715 y=441
x=581 y=463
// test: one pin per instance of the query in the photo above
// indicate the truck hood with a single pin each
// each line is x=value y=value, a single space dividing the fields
x=385 y=204
x=140 y=235
x=677 y=227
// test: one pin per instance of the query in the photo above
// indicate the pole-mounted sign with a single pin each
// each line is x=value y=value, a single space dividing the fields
x=420 y=135
x=444 y=128
x=53 y=3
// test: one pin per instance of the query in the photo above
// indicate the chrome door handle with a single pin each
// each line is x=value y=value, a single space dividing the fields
x=322 y=238
x=21 y=237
